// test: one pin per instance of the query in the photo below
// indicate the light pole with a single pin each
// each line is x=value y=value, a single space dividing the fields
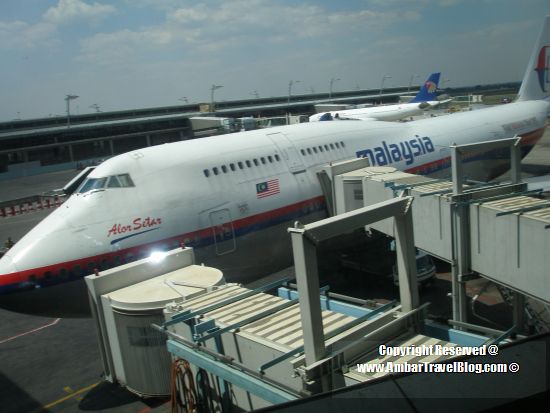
x=411 y=82
x=68 y=99
x=332 y=80
x=443 y=83
x=212 y=89
x=96 y=107
x=255 y=94
x=290 y=88
x=382 y=85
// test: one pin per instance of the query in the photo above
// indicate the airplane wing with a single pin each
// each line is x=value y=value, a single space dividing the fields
x=320 y=117
x=357 y=117
x=433 y=103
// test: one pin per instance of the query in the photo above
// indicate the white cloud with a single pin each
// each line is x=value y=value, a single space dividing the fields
x=70 y=10
x=448 y=3
x=17 y=34
x=20 y=34
x=271 y=21
x=399 y=4
x=12 y=27
x=238 y=26
x=195 y=14
x=107 y=48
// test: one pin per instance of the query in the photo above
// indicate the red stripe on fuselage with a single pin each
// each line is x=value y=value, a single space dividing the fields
x=530 y=138
x=54 y=269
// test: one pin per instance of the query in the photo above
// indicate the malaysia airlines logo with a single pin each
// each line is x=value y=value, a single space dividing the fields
x=542 y=68
x=389 y=153
x=430 y=86
x=268 y=188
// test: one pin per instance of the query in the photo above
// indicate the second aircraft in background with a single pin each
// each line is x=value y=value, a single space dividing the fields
x=425 y=99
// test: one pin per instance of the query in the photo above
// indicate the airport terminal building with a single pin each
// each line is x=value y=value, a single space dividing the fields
x=29 y=147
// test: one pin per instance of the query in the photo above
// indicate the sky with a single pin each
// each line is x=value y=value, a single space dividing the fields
x=127 y=54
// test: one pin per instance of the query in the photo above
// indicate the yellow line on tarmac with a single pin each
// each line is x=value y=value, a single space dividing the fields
x=61 y=400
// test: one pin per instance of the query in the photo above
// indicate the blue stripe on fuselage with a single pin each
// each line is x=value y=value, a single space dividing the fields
x=132 y=235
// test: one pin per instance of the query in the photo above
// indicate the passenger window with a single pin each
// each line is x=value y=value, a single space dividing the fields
x=256 y=162
x=215 y=170
x=270 y=159
x=303 y=152
x=224 y=169
x=232 y=166
x=277 y=158
x=337 y=145
x=241 y=166
x=248 y=163
x=342 y=143
x=309 y=151
x=314 y=149
x=331 y=146
x=206 y=173
x=262 y=159
x=326 y=147
x=320 y=149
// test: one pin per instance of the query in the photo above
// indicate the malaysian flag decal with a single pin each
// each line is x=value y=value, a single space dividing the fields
x=267 y=188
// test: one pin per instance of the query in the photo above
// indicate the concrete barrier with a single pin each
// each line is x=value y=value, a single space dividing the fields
x=29 y=205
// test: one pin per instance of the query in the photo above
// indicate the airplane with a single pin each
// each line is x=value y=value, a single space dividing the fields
x=425 y=99
x=232 y=197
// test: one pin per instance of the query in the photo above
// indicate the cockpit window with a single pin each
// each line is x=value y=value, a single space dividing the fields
x=92 y=183
x=114 y=181
x=125 y=180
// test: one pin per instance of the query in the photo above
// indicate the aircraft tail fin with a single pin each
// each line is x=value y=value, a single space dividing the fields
x=428 y=90
x=536 y=82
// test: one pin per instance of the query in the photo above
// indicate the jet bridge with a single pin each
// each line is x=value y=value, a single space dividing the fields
x=279 y=348
x=499 y=231
x=259 y=349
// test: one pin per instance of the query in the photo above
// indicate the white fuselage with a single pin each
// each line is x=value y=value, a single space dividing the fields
x=210 y=193
x=383 y=112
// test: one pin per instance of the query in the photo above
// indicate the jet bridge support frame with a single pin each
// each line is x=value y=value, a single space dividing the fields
x=335 y=193
x=304 y=243
x=461 y=260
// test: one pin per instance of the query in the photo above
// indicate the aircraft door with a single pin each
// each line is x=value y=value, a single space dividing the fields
x=223 y=232
x=288 y=151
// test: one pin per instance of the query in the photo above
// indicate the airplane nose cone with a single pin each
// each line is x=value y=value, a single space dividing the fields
x=7 y=266
x=8 y=276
